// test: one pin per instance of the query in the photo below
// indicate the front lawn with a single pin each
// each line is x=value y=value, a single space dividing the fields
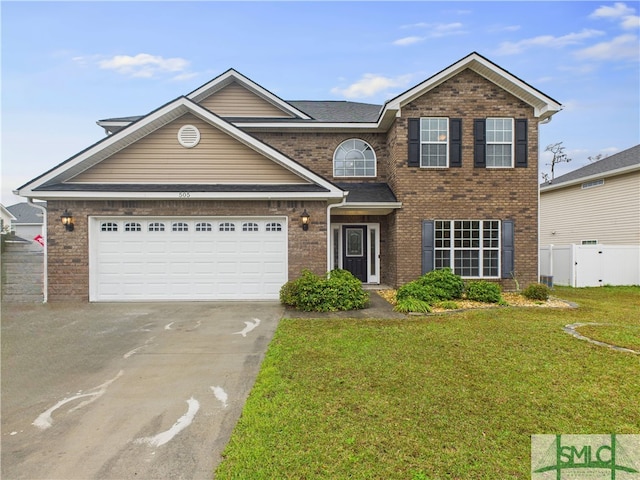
x=442 y=397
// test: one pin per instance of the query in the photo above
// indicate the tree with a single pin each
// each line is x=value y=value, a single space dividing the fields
x=557 y=149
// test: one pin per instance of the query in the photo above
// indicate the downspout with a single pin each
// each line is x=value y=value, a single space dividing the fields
x=329 y=233
x=542 y=122
x=45 y=279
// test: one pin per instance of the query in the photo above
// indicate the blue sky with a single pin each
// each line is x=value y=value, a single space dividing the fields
x=66 y=65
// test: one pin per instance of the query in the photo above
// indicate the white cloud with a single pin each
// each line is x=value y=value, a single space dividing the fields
x=618 y=10
x=512 y=48
x=144 y=65
x=620 y=48
x=371 y=84
x=630 y=22
x=403 y=42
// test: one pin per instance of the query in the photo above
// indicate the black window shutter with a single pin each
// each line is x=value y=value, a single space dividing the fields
x=521 y=142
x=455 y=142
x=414 y=142
x=428 y=241
x=479 y=146
x=507 y=255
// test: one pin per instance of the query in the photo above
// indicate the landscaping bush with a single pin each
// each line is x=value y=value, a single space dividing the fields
x=483 y=291
x=432 y=287
x=339 y=290
x=446 y=284
x=424 y=293
x=537 y=291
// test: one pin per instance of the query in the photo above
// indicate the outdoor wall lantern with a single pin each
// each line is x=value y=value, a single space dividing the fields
x=67 y=220
x=305 y=220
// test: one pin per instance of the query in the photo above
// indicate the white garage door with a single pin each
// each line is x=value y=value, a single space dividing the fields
x=138 y=259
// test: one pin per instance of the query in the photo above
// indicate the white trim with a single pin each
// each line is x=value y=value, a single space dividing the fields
x=446 y=143
x=512 y=142
x=60 y=195
x=375 y=279
x=375 y=159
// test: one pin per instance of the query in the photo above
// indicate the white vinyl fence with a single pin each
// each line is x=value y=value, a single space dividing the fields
x=591 y=265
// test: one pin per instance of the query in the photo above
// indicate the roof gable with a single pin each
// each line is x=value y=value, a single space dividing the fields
x=97 y=153
x=544 y=106
x=262 y=95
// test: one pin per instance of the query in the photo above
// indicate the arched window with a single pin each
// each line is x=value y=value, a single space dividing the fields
x=354 y=158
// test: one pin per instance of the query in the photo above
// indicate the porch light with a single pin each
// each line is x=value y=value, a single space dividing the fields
x=67 y=220
x=305 y=220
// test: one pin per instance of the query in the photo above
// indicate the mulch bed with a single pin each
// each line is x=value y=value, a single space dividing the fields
x=512 y=299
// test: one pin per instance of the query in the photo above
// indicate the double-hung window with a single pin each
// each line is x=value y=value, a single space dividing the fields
x=471 y=248
x=499 y=142
x=434 y=141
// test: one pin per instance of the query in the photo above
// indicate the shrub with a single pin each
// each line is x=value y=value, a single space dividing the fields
x=339 y=290
x=424 y=293
x=432 y=287
x=483 y=291
x=446 y=284
x=411 y=304
x=536 y=291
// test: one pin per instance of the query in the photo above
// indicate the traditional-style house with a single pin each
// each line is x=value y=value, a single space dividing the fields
x=230 y=191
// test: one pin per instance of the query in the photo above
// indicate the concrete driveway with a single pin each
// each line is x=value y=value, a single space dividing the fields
x=121 y=391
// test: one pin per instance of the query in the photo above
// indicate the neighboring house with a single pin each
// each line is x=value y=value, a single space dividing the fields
x=6 y=220
x=205 y=197
x=596 y=204
x=29 y=221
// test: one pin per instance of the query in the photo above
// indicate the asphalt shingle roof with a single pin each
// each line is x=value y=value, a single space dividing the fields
x=368 y=192
x=339 y=111
x=26 y=213
x=623 y=159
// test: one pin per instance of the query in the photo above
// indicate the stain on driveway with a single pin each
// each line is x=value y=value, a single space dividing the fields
x=115 y=391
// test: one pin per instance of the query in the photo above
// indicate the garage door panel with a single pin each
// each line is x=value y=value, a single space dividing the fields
x=192 y=259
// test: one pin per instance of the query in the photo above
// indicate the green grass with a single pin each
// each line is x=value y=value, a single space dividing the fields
x=440 y=397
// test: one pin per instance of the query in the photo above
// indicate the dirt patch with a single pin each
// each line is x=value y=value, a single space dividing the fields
x=512 y=300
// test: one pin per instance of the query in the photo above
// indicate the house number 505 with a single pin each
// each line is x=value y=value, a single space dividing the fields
x=184 y=195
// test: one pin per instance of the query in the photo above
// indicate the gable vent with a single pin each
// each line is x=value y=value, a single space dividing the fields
x=188 y=136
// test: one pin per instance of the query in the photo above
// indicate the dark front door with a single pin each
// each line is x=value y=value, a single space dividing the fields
x=354 y=250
